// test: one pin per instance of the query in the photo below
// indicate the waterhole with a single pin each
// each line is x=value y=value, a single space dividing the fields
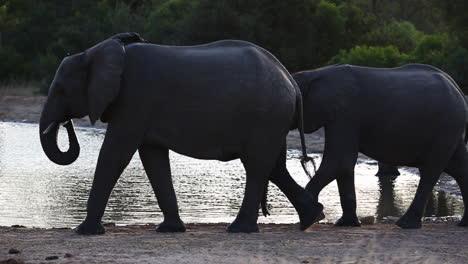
x=35 y=192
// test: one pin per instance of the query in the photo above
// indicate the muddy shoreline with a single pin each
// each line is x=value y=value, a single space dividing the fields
x=209 y=243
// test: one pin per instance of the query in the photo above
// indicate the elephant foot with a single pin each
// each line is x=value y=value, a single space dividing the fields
x=409 y=222
x=320 y=217
x=348 y=221
x=87 y=228
x=463 y=222
x=171 y=227
x=236 y=227
x=313 y=215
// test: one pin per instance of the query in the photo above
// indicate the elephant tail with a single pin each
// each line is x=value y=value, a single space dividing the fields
x=300 y=127
x=263 y=203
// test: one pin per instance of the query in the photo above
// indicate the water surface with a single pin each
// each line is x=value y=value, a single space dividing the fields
x=36 y=192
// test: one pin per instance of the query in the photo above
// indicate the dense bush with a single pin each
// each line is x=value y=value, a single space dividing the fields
x=388 y=56
x=457 y=66
x=436 y=50
x=36 y=35
x=308 y=34
x=165 y=22
x=433 y=50
x=10 y=64
x=402 y=35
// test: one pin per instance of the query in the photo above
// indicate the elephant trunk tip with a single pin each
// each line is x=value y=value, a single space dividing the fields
x=48 y=136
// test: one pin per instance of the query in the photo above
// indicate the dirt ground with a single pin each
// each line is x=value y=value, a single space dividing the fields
x=21 y=108
x=209 y=243
x=28 y=109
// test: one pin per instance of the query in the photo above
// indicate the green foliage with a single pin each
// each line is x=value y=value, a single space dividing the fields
x=307 y=34
x=402 y=35
x=45 y=67
x=457 y=66
x=433 y=50
x=455 y=12
x=10 y=61
x=330 y=33
x=36 y=35
x=166 y=23
x=44 y=32
x=357 y=23
x=436 y=50
x=388 y=56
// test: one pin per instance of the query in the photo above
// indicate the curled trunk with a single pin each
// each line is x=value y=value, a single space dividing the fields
x=49 y=142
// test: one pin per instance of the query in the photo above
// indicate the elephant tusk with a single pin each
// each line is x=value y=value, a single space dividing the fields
x=49 y=128
x=65 y=123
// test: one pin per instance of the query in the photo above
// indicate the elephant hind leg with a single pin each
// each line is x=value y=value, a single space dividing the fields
x=458 y=169
x=412 y=217
x=156 y=163
x=258 y=159
x=430 y=171
x=308 y=209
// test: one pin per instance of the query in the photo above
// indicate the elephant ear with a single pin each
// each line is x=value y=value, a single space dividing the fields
x=343 y=92
x=328 y=93
x=105 y=65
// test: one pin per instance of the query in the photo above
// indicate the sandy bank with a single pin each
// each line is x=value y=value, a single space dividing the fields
x=208 y=243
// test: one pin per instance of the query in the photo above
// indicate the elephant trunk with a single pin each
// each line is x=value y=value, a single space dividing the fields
x=48 y=134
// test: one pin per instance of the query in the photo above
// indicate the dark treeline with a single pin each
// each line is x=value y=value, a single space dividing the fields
x=303 y=34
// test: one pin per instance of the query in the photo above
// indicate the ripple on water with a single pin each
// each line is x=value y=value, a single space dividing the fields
x=36 y=192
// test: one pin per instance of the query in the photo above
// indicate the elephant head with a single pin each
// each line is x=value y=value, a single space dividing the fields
x=84 y=84
x=327 y=93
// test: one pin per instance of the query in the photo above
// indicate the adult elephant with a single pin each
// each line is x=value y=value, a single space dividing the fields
x=224 y=100
x=414 y=115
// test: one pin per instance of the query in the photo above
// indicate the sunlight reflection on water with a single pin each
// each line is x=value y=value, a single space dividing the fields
x=36 y=192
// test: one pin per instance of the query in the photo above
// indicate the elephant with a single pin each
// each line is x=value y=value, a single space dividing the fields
x=414 y=115
x=223 y=100
x=387 y=170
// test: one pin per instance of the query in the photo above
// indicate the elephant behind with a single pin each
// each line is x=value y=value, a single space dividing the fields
x=414 y=115
x=223 y=100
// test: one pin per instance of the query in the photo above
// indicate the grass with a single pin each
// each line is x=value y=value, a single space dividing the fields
x=20 y=88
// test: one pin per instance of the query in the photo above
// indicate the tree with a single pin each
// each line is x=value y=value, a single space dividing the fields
x=402 y=35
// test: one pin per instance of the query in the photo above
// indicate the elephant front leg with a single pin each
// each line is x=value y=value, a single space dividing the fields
x=458 y=168
x=116 y=152
x=339 y=159
x=347 y=192
x=156 y=163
